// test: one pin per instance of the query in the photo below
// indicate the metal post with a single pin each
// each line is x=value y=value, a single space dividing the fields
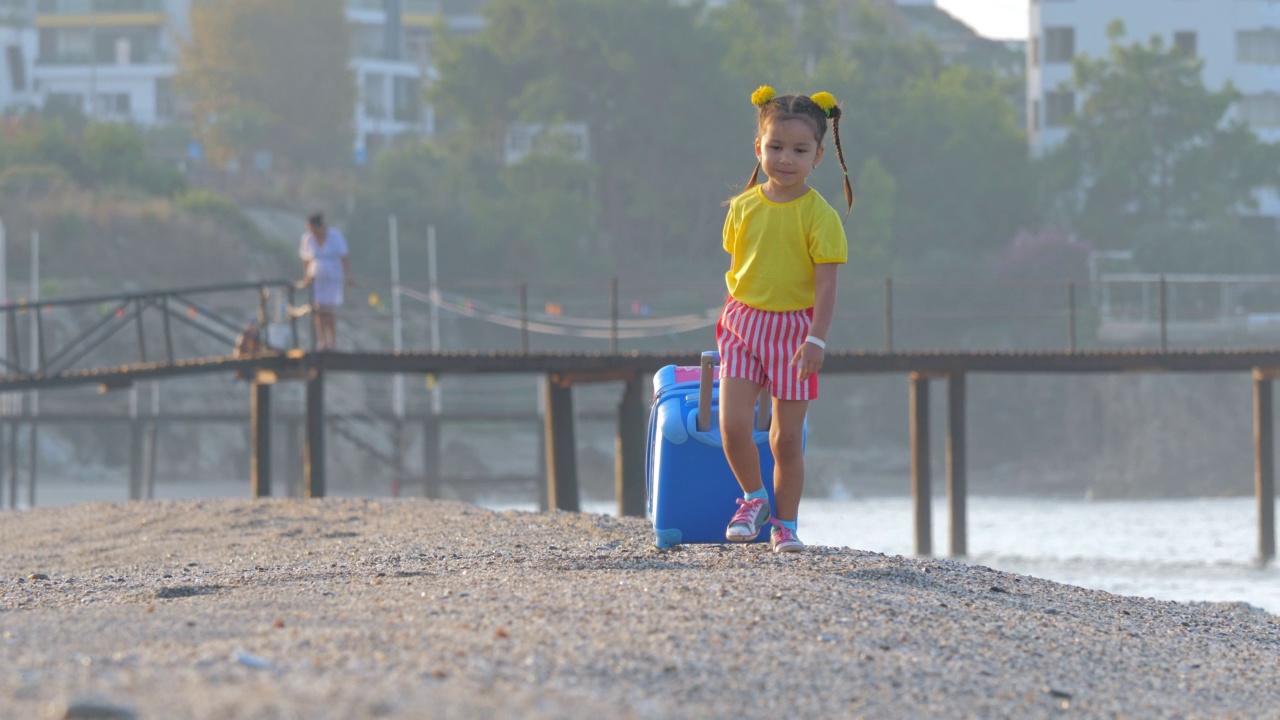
x=292 y=453
x=34 y=449
x=1264 y=466
x=4 y=460
x=629 y=450
x=433 y=281
x=397 y=339
x=168 y=331
x=921 y=492
x=562 y=464
x=888 y=314
x=1164 y=315
x=149 y=469
x=432 y=484
x=524 y=317
x=12 y=458
x=313 y=440
x=957 y=473
x=36 y=366
x=1071 y=316
x=139 y=307
x=291 y=297
x=135 y=446
x=260 y=429
x=544 y=474
x=613 y=316
x=153 y=432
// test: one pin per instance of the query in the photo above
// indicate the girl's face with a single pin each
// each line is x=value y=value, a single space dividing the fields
x=788 y=151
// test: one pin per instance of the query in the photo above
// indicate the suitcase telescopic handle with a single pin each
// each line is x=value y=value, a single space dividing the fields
x=709 y=360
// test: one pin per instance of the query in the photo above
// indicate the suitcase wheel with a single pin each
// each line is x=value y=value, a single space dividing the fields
x=666 y=538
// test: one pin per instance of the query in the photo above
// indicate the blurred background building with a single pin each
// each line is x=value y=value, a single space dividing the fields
x=1238 y=41
x=115 y=60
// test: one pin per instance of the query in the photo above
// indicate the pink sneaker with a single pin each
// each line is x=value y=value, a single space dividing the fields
x=745 y=526
x=783 y=539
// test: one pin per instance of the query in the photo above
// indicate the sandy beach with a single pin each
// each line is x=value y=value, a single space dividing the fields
x=405 y=608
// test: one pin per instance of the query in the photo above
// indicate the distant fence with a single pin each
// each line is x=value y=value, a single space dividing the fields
x=1117 y=311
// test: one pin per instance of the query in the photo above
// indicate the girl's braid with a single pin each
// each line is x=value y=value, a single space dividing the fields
x=835 y=135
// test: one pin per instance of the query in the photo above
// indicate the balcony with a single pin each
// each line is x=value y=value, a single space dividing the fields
x=98 y=7
x=431 y=7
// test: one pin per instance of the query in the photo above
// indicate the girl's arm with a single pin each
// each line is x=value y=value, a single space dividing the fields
x=346 y=271
x=809 y=357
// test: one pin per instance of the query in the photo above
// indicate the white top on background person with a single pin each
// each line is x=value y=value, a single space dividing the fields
x=324 y=254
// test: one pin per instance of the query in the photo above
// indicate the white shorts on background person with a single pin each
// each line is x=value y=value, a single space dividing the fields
x=324 y=266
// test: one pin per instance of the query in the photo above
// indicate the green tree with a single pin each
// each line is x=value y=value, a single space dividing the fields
x=946 y=136
x=644 y=79
x=1152 y=153
x=270 y=75
x=114 y=154
x=872 y=220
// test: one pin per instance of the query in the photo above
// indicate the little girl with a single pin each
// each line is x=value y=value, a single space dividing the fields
x=786 y=242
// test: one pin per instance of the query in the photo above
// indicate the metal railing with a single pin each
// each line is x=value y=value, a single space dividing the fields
x=156 y=322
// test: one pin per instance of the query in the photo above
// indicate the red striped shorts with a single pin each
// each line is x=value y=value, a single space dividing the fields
x=758 y=345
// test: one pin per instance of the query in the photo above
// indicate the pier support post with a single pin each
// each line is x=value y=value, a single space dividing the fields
x=921 y=491
x=630 y=449
x=1264 y=465
x=260 y=429
x=431 y=481
x=151 y=457
x=562 y=462
x=957 y=478
x=292 y=458
x=136 y=450
x=313 y=441
x=11 y=461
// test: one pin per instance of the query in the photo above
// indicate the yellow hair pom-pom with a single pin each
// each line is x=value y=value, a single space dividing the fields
x=762 y=95
x=824 y=100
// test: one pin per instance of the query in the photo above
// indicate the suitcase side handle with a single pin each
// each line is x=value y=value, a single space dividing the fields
x=709 y=360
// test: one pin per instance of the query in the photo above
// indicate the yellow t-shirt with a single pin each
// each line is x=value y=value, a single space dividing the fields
x=774 y=247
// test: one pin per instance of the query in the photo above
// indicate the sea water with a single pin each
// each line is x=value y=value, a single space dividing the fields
x=1186 y=550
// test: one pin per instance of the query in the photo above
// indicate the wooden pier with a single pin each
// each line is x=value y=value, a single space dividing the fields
x=634 y=371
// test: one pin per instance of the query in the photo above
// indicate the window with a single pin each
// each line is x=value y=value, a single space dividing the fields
x=17 y=67
x=1258 y=47
x=1059 y=44
x=114 y=105
x=165 y=107
x=1261 y=111
x=408 y=100
x=1186 y=42
x=375 y=95
x=1058 y=108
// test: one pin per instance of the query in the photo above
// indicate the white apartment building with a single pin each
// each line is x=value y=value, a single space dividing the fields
x=113 y=59
x=1238 y=40
x=116 y=59
x=17 y=54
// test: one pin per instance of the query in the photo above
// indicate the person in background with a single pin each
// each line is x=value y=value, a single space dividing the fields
x=785 y=244
x=327 y=270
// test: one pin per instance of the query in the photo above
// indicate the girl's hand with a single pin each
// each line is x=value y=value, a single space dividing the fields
x=808 y=359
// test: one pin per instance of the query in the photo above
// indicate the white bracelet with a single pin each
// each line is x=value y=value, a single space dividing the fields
x=817 y=341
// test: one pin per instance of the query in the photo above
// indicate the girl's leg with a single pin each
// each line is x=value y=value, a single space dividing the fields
x=737 y=420
x=786 y=438
x=331 y=329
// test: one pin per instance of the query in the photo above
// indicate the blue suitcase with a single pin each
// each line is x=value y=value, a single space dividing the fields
x=691 y=489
